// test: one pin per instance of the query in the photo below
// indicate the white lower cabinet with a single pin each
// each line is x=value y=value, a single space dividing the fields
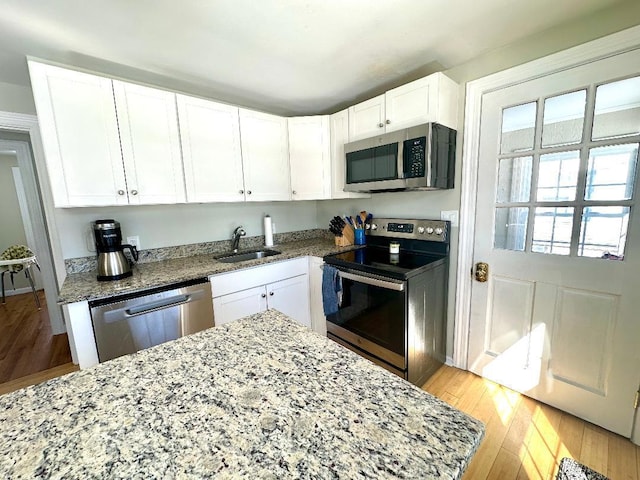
x=318 y=320
x=282 y=285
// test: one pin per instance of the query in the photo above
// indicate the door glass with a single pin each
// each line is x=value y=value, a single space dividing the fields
x=603 y=232
x=511 y=228
x=563 y=119
x=558 y=176
x=514 y=179
x=518 y=128
x=360 y=166
x=552 y=230
x=386 y=162
x=617 y=109
x=611 y=172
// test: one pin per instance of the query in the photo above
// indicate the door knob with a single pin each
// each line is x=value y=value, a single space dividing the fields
x=241 y=191
x=482 y=272
x=120 y=192
x=134 y=192
x=388 y=122
x=380 y=125
x=264 y=295
x=271 y=294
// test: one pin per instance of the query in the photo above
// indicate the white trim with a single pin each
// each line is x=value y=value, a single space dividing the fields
x=608 y=46
x=35 y=179
x=8 y=292
x=24 y=211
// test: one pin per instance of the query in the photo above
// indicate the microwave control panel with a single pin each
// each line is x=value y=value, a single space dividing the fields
x=414 y=157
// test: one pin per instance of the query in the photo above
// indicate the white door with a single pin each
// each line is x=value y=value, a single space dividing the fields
x=77 y=118
x=234 y=306
x=148 y=121
x=309 y=157
x=411 y=104
x=557 y=224
x=265 y=156
x=366 y=119
x=291 y=297
x=210 y=136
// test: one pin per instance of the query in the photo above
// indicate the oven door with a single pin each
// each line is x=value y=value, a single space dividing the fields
x=372 y=316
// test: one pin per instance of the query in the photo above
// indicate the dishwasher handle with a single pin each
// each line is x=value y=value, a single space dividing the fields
x=155 y=306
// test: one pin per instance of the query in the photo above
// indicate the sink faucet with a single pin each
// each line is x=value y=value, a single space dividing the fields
x=235 y=238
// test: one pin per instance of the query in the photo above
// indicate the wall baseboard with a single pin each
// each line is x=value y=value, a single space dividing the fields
x=18 y=291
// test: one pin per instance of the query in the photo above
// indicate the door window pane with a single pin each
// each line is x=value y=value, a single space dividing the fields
x=514 y=179
x=563 y=119
x=558 y=176
x=603 y=232
x=552 y=230
x=518 y=128
x=617 y=110
x=511 y=228
x=611 y=172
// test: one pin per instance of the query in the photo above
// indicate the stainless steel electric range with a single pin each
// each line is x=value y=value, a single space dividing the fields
x=394 y=305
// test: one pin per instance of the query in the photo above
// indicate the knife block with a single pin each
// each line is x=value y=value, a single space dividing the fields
x=347 y=237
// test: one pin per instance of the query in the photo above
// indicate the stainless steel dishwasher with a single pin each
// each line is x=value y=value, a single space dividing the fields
x=131 y=322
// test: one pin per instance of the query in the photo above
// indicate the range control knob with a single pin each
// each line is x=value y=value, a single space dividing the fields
x=421 y=230
x=439 y=231
x=429 y=230
x=374 y=226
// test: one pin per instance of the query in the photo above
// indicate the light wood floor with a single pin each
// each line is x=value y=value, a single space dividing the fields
x=27 y=345
x=525 y=439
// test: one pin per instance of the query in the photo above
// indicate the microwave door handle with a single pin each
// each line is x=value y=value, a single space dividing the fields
x=398 y=287
x=401 y=172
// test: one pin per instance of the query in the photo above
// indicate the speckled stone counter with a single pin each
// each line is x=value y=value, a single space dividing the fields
x=84 y=286
x=262 y=397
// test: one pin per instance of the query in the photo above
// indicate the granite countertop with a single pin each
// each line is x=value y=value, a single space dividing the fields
x=261 y=397
x=84 y=286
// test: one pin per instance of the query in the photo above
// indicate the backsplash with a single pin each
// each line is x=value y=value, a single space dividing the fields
x=89 y=264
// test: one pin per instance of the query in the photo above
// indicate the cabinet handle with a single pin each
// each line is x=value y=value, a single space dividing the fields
x=120 y=192
x=241 y=192
x=380 y=125
x=263 y=295
x=134 y=192
x=248 y=192
x=271 y=294
x=388 y=121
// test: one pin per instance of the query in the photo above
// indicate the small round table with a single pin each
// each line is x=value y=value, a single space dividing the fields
x=26 y=263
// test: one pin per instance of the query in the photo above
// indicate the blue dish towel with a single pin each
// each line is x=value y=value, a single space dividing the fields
x=331 y=288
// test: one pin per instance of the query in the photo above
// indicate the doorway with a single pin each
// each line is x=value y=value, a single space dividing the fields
x=33 y=340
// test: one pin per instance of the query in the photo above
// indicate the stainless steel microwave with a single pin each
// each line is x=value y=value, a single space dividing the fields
x=416 y=158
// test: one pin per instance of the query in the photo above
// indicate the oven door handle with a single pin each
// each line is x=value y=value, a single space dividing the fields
x=376 y=282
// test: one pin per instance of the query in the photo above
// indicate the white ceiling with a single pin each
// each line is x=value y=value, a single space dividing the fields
x=284 y=56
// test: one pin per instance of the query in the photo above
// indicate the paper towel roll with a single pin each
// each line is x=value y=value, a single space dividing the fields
x=268 y=231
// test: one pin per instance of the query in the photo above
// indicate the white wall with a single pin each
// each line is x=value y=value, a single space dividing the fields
x=16 y=99
x=169 y=225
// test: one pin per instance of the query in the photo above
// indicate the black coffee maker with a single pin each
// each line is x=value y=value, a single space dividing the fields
x=112 y=263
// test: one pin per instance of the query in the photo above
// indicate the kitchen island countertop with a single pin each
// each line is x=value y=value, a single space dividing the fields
x=262 y=397
x=79 y=287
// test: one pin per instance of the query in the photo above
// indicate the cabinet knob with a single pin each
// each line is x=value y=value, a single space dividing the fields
x=380 y=125
x=388 y=121
x=134 y=192
x=294 y=192
x=271 y=294
x=248 y=192
x=241 y=192
x=120 y=192
x=263 y=295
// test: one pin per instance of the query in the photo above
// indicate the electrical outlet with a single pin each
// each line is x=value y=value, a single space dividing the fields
x=451 y=215
x=134 y=240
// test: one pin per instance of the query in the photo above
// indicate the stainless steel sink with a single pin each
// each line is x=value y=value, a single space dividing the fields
x=244 y=256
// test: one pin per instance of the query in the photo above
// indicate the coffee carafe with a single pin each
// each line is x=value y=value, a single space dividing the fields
x=112 y=262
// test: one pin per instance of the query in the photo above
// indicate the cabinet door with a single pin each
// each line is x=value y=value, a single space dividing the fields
x=318 y=320
x=291 y=297
x=210 y=136
x=265 y=156
x=366 y=119
x=411 y=104
x=150 y=144
x=234 y=306
x=309 y=157
x=77 y=118
x=339 y=136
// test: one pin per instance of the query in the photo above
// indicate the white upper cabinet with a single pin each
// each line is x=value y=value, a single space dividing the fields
x=339 y=123
x=150 y=140
x=429 y=99
x=77 y=119
x=265 y=155
x=366 y=119
x=309 y=157
x=210 y=135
